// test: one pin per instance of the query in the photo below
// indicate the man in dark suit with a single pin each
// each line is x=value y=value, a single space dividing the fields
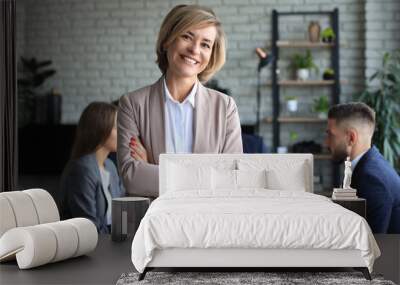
x=349 y=133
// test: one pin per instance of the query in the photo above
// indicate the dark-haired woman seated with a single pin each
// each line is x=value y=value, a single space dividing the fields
x=90 y=180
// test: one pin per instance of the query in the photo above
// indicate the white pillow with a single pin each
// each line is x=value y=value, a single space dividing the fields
x=281 y=174
x=182 y=177
x=251 y=178
x=226 y=179
x=223 y=179
x=292 y=181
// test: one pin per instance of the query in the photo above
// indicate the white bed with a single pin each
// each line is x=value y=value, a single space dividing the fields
x=247 y=211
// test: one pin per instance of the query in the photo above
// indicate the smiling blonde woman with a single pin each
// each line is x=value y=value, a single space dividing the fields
x=178 y=114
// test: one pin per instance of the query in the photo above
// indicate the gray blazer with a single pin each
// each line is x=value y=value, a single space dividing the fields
x=82 y=193
x=216 y=128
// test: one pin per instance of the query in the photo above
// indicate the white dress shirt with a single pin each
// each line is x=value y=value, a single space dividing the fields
x=105 y=179
x=179 y=122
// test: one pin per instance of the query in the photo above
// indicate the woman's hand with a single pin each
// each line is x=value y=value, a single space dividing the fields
x=138 y=152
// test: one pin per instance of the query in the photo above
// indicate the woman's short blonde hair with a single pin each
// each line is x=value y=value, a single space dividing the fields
x=181 y=19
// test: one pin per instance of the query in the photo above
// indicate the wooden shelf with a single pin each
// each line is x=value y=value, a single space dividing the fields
x=296 y=120
x=306 y=82
x=303 y=83
x=322 y=156
x=303 y=44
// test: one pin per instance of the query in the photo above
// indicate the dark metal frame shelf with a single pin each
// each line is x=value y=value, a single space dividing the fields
x=334 y=84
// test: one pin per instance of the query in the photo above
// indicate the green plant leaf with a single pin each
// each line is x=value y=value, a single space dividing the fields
x=303 y=61
x=44 y=63
x=385 y=100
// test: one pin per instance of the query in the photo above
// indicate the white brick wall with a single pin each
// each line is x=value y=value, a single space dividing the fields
x=20 y=36
x=102 y=49
x=382 y=31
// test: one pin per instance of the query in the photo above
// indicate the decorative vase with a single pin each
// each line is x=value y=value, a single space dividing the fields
x=292 y=105
x=314 y=30
x=303 y=74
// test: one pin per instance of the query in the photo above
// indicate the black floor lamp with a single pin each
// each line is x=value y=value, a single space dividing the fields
x=265 y=59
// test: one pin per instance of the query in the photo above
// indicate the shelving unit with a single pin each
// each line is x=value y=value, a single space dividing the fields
x=307 y=83
x=277 y=43
x=298 y=120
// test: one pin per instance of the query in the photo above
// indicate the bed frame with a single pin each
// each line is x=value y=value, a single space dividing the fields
x=260 y=259
x=245 y=259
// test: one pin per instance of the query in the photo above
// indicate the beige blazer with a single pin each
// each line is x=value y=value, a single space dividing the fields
x=216 y=129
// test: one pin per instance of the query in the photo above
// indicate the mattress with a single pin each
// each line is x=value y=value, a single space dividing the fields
x=251 y=219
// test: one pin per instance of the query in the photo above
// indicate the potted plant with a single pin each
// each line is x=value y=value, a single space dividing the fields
x=293 y=136
x=328 y=35
x=282 y=149
x=329 y=74
x=321 y=106
x=302 y=65
x=385 y=100
x=31 y=96
x=291 y=103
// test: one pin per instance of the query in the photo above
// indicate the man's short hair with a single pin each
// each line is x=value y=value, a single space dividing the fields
x=353 y=112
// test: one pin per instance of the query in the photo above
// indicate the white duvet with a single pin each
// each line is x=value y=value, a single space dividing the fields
x=250 y=219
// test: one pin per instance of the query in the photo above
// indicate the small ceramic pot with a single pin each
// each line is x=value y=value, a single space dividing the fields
x=303 y=74
x=328 y=76
x=292 y=105
x=282 y=149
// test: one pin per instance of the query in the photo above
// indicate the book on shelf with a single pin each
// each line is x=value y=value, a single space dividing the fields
x=336 y=197
x=345 y=194
x=341 y=190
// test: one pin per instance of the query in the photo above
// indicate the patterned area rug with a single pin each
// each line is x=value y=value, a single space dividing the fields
x=229 y=278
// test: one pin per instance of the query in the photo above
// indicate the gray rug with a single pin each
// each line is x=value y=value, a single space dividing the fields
x=229 y=278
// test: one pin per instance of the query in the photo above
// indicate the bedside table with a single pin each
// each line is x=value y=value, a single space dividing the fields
x=358 y=206
x=126 y=213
